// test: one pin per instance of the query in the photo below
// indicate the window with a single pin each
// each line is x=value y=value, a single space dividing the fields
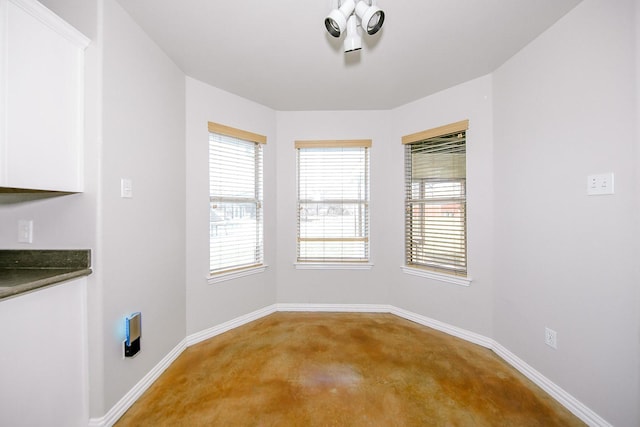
x=235 y=196
x=435 y=199
x=333 y=201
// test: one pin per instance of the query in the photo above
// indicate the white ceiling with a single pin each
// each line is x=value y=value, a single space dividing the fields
x=279 y=54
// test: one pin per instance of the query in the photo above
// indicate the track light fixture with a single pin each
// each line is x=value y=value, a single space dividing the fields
x=343 y=19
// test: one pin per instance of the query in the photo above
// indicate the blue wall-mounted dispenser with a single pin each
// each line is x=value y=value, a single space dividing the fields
x=133 y=329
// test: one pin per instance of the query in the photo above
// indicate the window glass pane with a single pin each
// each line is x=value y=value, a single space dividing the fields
x=232 y=166
x=333 y=204
x=436 y=203
x=235 y=195
x=332 y=219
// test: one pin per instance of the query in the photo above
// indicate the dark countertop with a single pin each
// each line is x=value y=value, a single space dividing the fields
x=24 y=271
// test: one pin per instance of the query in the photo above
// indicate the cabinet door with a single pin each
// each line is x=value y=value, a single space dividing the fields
x=43 y=100
x=43 y=367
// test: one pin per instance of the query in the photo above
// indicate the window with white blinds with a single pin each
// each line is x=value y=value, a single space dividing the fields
x=235 y=196
x=333 y=201
x=435 y=202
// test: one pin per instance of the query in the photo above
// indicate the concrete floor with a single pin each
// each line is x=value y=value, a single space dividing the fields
x=342 y=369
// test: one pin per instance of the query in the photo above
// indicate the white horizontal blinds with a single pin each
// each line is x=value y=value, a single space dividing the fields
x=436 y=219
x=235 y=195
x=333 y=201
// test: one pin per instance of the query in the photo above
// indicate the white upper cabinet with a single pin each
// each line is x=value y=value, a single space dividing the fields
x=41 y=99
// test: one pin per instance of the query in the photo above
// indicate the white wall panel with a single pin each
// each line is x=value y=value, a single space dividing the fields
x=212 y=304
x=335 y=286
x=564 y=109
x=466 y=307
x=141 y=239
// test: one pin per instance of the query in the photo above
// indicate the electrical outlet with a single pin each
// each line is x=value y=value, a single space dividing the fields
x=25 y=231
x=550 y=338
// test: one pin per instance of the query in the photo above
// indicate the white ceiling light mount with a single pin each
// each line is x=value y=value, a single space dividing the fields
x=343 y=19
x=353 y=41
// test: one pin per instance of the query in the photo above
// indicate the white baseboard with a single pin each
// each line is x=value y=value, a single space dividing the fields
x=336 y=308
x=576 y=407
x=567 y=400
x=231 y=324
x=129 y=399
x=444 y=327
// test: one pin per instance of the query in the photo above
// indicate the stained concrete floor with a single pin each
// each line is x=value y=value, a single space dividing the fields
x=342 y=369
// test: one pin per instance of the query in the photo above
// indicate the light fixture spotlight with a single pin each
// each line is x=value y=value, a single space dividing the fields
x=371 y=17
x=336 y=22
x=343 y=19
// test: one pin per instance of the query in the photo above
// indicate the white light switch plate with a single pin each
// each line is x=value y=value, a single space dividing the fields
x=599 y=184
x=126 y=188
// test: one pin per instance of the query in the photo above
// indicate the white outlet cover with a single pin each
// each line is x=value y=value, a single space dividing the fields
x=25 y=231
x=550 y=338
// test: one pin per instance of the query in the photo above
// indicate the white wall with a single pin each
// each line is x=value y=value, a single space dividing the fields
x=142 y=239
x=209 y=305
x=82 y=14
x=43 y=362
x=564 y=108
x=636 y=231
x=335 y=286
x=63 y=222
x=466 y=307
x=470 y=307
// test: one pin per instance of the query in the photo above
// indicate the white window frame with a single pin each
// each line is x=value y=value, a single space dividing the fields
x=363 y=201
x=237 y=268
